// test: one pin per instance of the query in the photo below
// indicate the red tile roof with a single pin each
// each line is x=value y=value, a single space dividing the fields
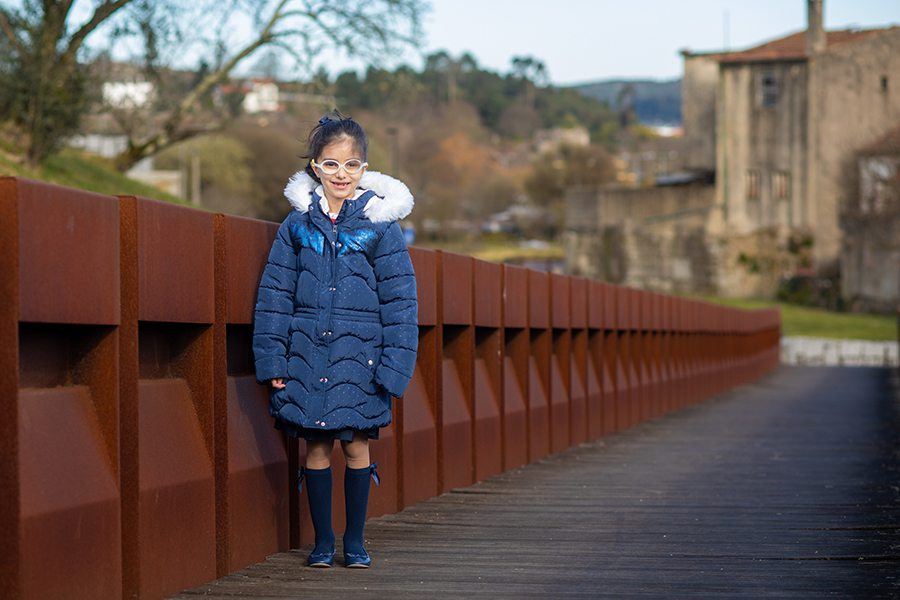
x=793 y=46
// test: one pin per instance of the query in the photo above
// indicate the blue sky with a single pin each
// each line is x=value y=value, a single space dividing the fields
x=589 y=40
x=586 y=40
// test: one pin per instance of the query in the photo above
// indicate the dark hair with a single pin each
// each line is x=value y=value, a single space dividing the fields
x=330 y=128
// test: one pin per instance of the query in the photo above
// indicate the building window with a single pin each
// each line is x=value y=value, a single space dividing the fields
x=768 y=88
x=753 y=184
x=781 y=185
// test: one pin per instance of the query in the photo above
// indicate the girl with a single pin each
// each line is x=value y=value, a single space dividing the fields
x=335 y=327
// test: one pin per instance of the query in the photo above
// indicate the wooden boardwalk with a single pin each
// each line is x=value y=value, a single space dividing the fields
x=786 y=488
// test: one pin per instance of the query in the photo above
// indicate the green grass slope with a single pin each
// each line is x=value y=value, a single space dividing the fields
x=814 y=322
x=80 y=170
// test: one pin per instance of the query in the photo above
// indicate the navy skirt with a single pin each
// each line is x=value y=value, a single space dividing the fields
x=324 y=435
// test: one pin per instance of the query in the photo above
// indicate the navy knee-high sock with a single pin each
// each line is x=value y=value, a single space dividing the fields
x=356 y=496
x=318 y=489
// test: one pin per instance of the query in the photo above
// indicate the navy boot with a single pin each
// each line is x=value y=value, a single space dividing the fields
x=356 y=495
x=318 y=490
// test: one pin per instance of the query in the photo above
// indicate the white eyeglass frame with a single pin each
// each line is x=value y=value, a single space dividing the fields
x=341 y=165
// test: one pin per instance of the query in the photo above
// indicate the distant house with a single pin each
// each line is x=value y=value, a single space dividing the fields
x=776 y=127
x=550 y=140
x=261 y=95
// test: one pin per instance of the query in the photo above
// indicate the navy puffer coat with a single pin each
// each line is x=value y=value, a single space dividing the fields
x=336 y=315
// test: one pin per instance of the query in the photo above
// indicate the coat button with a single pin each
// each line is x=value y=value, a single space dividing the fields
x=338 y=244
x=322 y=423
x=371 y=362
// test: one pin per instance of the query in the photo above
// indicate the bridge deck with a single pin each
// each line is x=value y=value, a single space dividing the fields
x=785 y=488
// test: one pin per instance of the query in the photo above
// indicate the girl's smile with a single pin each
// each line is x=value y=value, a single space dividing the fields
x=341 y=185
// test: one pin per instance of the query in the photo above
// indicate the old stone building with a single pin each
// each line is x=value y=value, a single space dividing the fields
x=778 y=125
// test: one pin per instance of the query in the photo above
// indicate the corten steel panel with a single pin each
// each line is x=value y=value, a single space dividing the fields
x=258 y=486
x=639 y=349
x=610 y=307
x=68 y=254
x=538 y=400
x=515 y=296
x=488 y=431
x=624 y=307
x=455 y=441
x=578 y=418
x=177 y=494
x=247 y=245
x=456 y=449
x=560 y=301
x=667 y=372
x=640 y=392
x=624 y=381
x=488 y=293
x=385 y=498
x=649 y=378
x=418 y=433
x=658 y=306
x=457 y=274
x=515 y=399
x=609 y=371
x=419 y=443
x=665 y=312
x=70 y=519
x=579 y=295
x=175 y=263
x=538 y=299
x=560 y=371
x=596 y=298
x=10 y=571
x=425 y=265
x=594 y=385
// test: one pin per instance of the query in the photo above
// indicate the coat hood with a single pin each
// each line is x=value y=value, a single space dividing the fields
x=392 y=201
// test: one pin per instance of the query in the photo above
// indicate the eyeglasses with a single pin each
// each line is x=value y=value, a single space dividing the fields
x=329 y=166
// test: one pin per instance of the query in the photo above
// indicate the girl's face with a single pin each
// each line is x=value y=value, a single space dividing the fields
x=341 y=185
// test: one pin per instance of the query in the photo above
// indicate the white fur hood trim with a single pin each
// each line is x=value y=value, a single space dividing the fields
x=392 y=201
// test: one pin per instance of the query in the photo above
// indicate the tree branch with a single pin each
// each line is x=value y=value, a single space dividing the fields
x=101 y=14
x=7 y=28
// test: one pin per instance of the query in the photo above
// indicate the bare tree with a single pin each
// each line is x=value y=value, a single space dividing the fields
x=168 y=31
x=43 y=84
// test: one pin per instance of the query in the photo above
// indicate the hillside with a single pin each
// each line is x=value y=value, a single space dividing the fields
x=655 y=102
x=80 y=170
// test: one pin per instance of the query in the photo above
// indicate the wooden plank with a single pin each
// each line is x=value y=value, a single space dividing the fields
x=785 y=487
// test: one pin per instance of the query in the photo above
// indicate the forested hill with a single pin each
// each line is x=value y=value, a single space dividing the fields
x=655 y=102
x=511 y=105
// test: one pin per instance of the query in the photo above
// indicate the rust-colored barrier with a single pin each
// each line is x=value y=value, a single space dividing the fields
x=138 y=454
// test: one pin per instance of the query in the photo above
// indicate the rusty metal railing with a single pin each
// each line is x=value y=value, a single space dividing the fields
x=138 y=455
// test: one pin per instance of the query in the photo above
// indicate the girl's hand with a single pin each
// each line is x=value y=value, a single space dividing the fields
x=278 y=383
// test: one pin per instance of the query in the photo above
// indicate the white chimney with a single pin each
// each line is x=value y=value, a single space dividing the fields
x=815 y=29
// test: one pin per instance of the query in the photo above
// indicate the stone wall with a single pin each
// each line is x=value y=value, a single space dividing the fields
x=652 y=238
x=671 y=239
